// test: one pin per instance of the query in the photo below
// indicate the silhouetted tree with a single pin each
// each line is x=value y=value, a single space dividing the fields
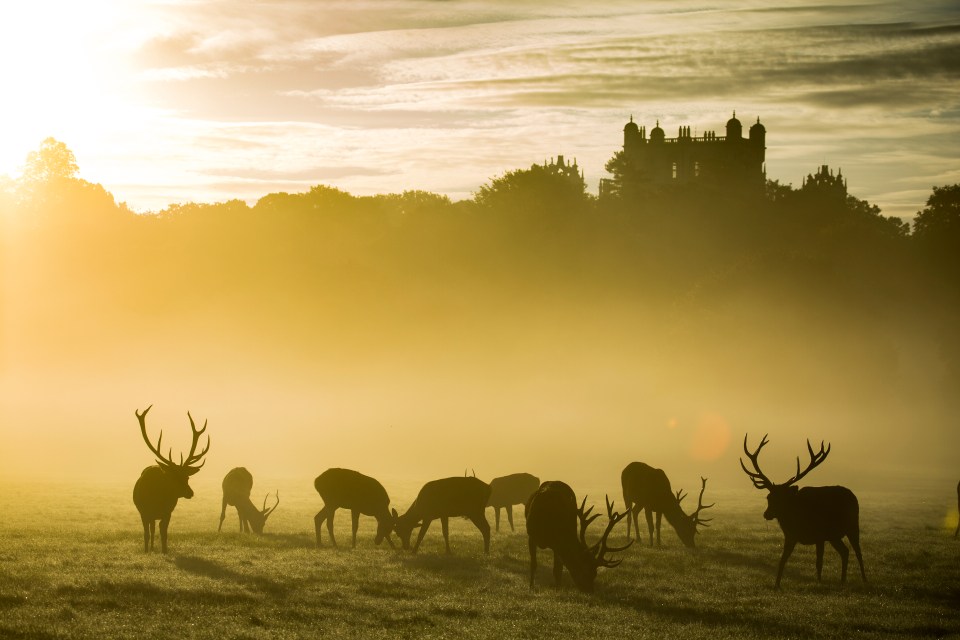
x=936 y=228
x=52 y=160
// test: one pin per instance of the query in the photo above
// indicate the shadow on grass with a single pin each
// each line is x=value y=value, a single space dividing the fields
x=15 y=634
x=208 y=569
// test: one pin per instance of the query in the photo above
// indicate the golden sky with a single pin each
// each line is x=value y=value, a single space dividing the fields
x=208 y=100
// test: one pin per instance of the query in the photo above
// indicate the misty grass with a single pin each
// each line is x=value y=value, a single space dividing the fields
x=88 y=578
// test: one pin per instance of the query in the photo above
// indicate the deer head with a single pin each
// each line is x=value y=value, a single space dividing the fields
x=180 y=472
x=595 y=556
x=687 y=526
x=780 y=494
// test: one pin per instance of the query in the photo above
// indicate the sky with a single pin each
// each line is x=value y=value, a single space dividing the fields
x=210 y=100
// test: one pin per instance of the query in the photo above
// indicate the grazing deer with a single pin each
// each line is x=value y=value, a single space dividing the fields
x=648 y=489
x=343 y=488
x=237 y=485
x=445 y=498
x=160 y=486
x=811 y=515
x=552 y=516
x=507 y=491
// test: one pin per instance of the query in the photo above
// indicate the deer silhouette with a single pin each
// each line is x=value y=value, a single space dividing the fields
x=445 y=498
x=811 y=515
x=648 y=489
x=348 y=489
x=507 y=491
x=552 y=515
x=160 y=486
x=237 y=485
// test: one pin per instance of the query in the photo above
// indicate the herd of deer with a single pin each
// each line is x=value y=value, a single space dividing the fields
x=554 y=520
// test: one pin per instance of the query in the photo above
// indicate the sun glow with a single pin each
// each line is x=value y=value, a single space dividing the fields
x=59 y=62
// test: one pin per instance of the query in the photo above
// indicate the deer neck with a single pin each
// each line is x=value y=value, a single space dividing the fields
x=251 y=514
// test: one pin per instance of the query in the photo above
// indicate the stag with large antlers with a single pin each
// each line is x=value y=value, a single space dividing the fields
x=552 y=517
x=237 y=485
x=648 y=489
x=160 y=486
x=811 y=515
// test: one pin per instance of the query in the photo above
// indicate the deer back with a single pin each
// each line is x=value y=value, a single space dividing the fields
x=449 y=497
x=815 y=514
x=647 y=487
x=348 y=489
x=237 y=485
x=516 y=488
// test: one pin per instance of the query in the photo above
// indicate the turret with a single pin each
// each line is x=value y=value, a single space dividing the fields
x=656 y=134
x=758 y=134
x=632 y=138
x=734 y=128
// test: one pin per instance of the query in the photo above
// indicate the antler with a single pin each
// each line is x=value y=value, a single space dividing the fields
x=600 y=549
x=760 y=481
x=167 y=460
x=680 y=497
x=266 y=512
x=697 y=520
x=815 y=460
x=585 y=520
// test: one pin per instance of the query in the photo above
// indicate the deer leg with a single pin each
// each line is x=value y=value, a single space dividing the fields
x=630 y=516
x=844 y=557
x=164 y=523
x=330 y=528
x=355 y=517
x=510 y=516
x=649 y=516
x=480 y=520
x=318 y=522
x=557 y=569
x=819 y=559
x=423 y=532
x=153 y=530
x=659 y=518
x=244 y=523
x=223 y=513
x=146 y=533
x=533 y=560
x=496 y=517
x=445 y=526
x=788 y=545
x=855 y=543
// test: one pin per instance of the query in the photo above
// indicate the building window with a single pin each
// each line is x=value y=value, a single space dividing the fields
x=696 y=169
x=674 y=170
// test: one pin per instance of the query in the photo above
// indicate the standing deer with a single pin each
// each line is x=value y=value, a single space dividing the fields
x=648 y=489
x=552 y=516
x=344 y=488
x=237 y=485
x=160 y=486
x=507 y=491
x=811 y=515
x=445 y=498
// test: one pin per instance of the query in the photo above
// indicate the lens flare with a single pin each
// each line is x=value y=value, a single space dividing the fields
x=710 y=438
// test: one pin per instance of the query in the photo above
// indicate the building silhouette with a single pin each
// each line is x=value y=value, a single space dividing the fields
x=727 y=161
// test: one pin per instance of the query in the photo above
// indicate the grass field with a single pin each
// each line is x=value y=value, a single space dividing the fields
x=72 y=566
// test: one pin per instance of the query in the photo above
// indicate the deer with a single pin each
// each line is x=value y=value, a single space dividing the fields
x=348 y=489
x=552 y=516
x=507 y=491
x=648 y=489
x=445 y=498
x=237 y=485
x=809 y=515
x=160 y=486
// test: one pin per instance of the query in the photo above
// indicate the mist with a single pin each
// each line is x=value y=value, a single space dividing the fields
x=411 y=337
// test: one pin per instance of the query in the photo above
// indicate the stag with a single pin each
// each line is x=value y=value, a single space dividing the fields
x=160 y=486
x=552 y=516
x=507 y=491
x=811 y=515
x=648 y=489
x=344 y=488
x=445 y=498
x=237 y=485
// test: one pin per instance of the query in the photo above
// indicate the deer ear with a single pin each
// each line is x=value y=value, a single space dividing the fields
x=394 y=512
